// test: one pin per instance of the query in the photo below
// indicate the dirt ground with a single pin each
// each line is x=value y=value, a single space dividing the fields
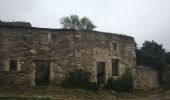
x=58 y=93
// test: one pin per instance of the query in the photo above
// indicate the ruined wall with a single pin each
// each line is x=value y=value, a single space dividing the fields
x=145 y=78
x=64 y=49
x=26 y=45
x=93 y=47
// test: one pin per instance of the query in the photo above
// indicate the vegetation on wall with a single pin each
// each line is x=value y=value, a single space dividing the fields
x=79 y=78
x=124 y=83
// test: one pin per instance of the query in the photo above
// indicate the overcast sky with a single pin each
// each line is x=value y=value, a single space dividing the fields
x=142 y=19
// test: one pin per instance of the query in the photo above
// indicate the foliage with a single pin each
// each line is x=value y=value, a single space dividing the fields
x=151 y=54
x=165 y=87
x=79 y=78
x=42 y=82
x=166 y=69
x=15 y=24
x=167 y=58
x=74 y=22
x=124 y=83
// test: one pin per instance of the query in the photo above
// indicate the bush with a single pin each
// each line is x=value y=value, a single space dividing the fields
x=79 y=79
x=124 y=83
x=93 y=86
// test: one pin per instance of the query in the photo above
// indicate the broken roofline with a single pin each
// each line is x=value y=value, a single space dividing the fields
x=71 y=30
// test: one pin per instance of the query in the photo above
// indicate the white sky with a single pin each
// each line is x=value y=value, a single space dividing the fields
x=142 y=19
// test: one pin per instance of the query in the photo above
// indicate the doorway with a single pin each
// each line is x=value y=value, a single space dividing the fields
x=42 y=73
x=101 y=72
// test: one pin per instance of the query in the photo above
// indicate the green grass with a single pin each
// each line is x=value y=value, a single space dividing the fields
x=165 y=87
x=25 y=98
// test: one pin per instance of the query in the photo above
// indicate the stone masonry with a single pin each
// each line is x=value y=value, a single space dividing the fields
x=105 y=55
x=145 y=78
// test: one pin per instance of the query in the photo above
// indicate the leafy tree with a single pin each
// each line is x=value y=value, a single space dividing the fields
x=152 y=54
x=167 y=58
x=167 y=62
x=74 y=22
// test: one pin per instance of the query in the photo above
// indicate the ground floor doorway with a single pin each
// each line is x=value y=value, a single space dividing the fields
x=101 y=77
x=42 y=73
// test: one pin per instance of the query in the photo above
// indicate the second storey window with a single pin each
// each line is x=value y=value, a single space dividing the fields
x=115 y=46
x=45 y=37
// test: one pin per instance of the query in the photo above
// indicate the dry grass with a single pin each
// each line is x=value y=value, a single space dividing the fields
x=25 y=98
x=58 y=93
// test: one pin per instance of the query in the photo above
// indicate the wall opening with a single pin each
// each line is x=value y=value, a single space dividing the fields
x=1 y=65
x=115 y=46
x=115 y=66
x=13 y=65
x=42 y=73
x=101 y=73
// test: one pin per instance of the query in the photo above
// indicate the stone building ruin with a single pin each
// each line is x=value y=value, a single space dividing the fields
x=29 y=55
x=145 y=78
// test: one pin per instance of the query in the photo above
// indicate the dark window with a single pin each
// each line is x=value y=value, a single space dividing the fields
x=115 y=65
x=13 y=65
x=115 y=46
x=1 y=65
x=107 y=44
x=46 y=37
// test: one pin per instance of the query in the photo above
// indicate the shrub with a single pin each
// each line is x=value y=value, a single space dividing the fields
x=79 y=78
x=93 y=86
x=124 y=83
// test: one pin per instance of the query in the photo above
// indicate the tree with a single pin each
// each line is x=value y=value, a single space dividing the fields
x=74 y=22
x=151 y=54
x=167 y=58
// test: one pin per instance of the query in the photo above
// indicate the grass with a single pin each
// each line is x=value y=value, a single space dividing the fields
x=25 y=98
x=53 y=93
x=165 y=87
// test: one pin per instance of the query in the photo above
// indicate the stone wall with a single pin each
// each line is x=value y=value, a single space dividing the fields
x=27 y=45
x=64 y=49
x=145 y=78
x=93 y=47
